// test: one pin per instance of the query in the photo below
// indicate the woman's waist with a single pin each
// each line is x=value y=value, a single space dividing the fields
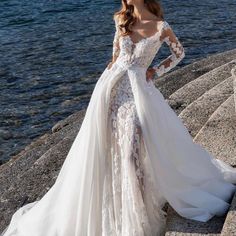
x=128 y=63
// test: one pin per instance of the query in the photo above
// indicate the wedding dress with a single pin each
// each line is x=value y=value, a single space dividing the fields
x=131 y=156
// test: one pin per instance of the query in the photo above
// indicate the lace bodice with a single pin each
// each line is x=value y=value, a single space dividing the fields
x=126 y=52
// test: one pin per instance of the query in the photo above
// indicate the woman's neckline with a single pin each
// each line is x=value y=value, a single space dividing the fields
x=144 y=38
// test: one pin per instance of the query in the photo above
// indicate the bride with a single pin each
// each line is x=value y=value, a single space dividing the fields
x=132 y=153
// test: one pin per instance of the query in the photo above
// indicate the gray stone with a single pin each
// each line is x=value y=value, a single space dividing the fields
x=173 y=80
x=194 y=89
x=30 y=173
x=178 y=225
x=196 y=114
x=218 y=135
x=229 y=228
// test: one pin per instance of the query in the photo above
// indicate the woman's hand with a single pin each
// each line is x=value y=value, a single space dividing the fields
x=109 y=65
x=150 y=74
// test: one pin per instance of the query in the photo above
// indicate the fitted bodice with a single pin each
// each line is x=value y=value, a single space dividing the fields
x=141 y=53
x=127 y=53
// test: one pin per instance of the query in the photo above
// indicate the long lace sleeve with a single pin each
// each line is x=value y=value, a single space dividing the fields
x=176 y=48
x=116 y=47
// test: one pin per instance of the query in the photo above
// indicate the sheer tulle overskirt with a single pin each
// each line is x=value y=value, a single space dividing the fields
x=73 y=204
x=197 y=185
x=187 y=176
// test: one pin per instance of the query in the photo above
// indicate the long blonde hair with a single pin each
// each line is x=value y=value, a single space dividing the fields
x=126 y=18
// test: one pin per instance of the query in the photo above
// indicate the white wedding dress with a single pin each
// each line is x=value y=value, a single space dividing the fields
x=131 y=156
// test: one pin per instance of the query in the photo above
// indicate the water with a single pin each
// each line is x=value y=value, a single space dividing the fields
x=52 y=53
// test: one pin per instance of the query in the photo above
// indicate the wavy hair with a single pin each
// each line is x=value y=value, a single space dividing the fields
x=126 y=18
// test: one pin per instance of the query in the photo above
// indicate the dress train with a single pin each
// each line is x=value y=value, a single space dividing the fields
x=175 y=169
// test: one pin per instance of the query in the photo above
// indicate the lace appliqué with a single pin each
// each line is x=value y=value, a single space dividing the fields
x=125 y=123
x=116 y=46
x=132 y=204
x=176 y=48
x=124 y=211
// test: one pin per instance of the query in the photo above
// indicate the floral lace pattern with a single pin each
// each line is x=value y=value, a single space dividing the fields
x=176 y=48
x=116 y=46
x=131 y=204
x=128 y=191
x=142 y=53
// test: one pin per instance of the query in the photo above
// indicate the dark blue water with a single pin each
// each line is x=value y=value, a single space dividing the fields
x=52 y=53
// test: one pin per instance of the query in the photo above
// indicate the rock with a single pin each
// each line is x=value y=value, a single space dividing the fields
x=5 y=134
x=27 y=176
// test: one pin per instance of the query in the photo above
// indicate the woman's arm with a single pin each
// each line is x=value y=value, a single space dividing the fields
x=176 y=48
x=116 y=46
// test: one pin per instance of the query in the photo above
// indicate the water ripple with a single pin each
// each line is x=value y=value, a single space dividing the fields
x=52 y=53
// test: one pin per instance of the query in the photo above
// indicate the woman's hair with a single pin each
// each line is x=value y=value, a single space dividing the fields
x=126 y=18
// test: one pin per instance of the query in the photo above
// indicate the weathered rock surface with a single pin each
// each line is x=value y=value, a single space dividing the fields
x=207 y=111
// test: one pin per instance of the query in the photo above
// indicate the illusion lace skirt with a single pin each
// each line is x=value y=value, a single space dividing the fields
x=131 y=204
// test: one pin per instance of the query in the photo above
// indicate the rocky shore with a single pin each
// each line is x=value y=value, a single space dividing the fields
x=203 y=97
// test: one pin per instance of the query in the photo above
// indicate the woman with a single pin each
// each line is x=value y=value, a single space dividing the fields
x=132 y=153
